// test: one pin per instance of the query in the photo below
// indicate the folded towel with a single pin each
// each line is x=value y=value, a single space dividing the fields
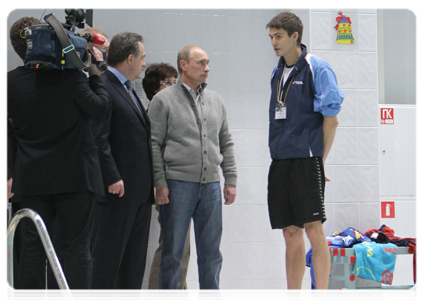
x=375 y=261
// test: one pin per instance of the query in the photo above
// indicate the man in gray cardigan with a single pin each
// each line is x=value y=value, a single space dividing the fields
x=190 y=140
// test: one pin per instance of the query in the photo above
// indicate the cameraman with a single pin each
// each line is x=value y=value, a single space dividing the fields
x=56 y=169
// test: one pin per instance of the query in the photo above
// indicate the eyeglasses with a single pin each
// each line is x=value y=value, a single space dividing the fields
x=168 y=82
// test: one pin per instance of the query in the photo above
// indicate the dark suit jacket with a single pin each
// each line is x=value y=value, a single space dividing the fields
x=11 y=147
x=124 y=146
x=55 y=151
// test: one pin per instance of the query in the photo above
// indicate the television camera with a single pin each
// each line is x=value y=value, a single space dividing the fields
x=52 y=44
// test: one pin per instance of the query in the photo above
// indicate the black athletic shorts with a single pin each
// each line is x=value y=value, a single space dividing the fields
x=296 y=192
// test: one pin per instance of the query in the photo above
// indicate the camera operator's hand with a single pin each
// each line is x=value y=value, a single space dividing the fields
x=92 y=68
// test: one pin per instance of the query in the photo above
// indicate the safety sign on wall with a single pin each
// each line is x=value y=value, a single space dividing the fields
x=386 y=116
x=388 y=209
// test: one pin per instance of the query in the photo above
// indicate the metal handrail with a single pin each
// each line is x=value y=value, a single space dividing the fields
x=45 y=239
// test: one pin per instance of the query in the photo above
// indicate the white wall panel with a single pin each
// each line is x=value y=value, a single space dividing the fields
x=369 y=183
x=218 y=75
x=320 y=38
x=187 y=29
x=348 y=115
x=345 y=183
x=262 y=67
x=367 y=35
x=367 y=77
x=368 y=146
x=369 y=215
x=345 y=66
x=347 y=215
x=244 y=220
x=250 y=194
x=368 y=111
x=240 y=75
x=269 y=261
x=251 y=149
x=345 y=146
x=159 y=24
x=244 y=261
x=214 y=33
x=240 y=38
x=261 y=43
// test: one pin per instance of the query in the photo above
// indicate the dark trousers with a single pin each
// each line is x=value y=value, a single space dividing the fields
x=119 y=246
x=56 y=238
x=75 y=211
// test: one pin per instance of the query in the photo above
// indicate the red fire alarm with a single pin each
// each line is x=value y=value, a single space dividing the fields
x=386 y=116
x=388 y=209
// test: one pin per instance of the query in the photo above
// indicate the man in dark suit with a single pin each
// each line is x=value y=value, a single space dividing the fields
x=56 y=170
x=122 y=217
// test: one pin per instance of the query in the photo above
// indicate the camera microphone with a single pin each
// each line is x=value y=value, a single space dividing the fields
x=94 y=38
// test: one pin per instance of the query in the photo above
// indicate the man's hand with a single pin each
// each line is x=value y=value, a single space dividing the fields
x=117 y=188
x=162 y=195
x=9 y=188
x=92 y=68
x=229 y=193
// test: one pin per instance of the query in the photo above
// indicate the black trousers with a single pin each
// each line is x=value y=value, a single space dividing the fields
x=75 y=212
x=119 y=246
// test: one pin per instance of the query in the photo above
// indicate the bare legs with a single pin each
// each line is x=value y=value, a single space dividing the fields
x=295 y=254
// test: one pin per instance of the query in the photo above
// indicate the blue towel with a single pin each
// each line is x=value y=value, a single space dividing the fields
x=375 y=261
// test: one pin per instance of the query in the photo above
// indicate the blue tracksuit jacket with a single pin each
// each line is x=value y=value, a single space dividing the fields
x=311 y=93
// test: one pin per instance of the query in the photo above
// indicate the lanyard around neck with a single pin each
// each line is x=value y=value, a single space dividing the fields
x=279 y=95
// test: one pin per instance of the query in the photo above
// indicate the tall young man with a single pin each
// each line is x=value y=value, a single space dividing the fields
x=304 y=102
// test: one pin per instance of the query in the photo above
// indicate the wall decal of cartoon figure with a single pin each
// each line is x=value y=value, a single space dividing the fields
x=344 y=30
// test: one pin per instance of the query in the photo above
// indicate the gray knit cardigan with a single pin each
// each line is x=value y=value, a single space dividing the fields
x=186 y=146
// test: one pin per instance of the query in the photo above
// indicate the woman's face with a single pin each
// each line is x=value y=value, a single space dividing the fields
x=168 y=81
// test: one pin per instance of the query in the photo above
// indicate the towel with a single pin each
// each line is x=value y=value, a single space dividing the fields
x=385 y=234
x=375 y=261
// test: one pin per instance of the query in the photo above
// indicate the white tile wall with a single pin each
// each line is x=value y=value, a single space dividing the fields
x=345 y=181
x=353 y=195
x=320 y=38
x=344 y=63
x=366 y=23
x=367 y=117
x=241 y=63
x=345 y=146
x=368 y=146
x=348 y=117
x=369 y=183
x=367 y=77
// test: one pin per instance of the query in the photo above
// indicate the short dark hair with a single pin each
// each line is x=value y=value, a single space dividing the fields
x=122 y=45
x=289 y=22
x=153 y=75
x=17 y=34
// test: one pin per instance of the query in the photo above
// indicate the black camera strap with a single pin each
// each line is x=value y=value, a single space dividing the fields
x=67 y=46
